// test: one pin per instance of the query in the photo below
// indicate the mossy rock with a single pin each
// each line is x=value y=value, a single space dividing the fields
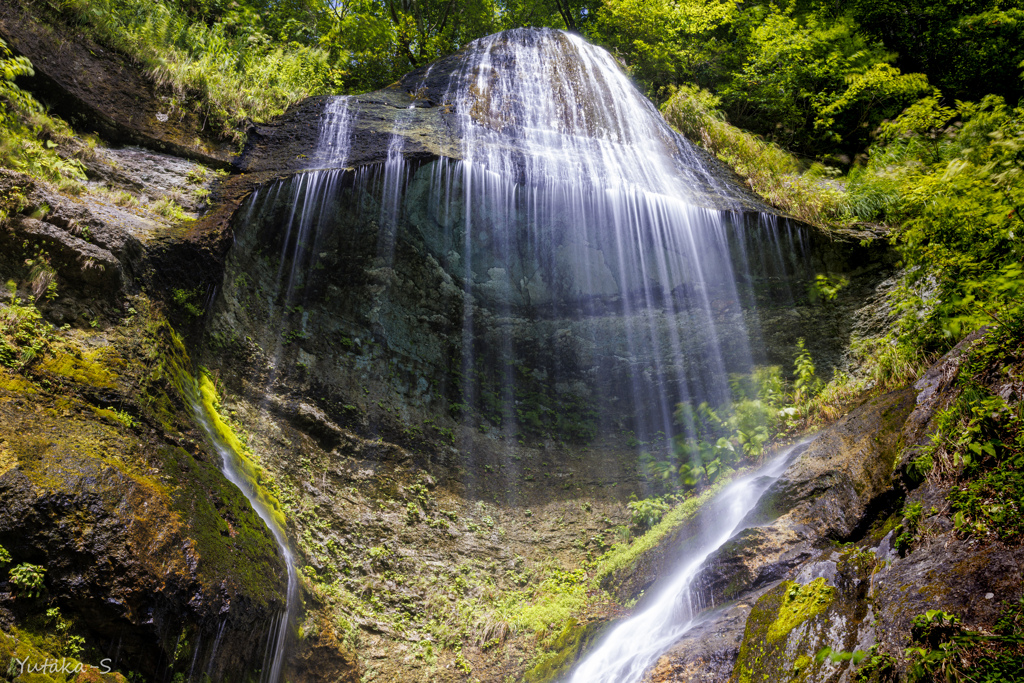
x=565 y=651
x=773 y=634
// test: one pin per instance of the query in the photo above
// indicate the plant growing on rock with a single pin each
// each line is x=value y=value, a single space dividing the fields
x=645 y=513
x=28 y=133
x=69 y=644
x=28 y=579
x=945 y=649
x=24 y=335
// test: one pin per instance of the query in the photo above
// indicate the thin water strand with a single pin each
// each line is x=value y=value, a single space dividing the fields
x=234 y=471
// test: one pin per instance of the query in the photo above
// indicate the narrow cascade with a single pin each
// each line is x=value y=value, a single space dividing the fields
x=632 y=647
x=239 y=473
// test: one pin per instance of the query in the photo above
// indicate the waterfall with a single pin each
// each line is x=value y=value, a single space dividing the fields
x=308 y=202
x=559 y=274
x=633 y=646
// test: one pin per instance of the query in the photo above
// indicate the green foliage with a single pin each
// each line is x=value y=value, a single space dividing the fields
x=826 y=288
x=229 y=69
x=24 y=335
x=958 y=204
x=188 y=301
x=912 y=515
x=124 y=418
x=68 y=644
x=714 y=440
x=27 y=579
x=968 y=49
x=168 y=208
x=645 y=513
x=28 y=136
x=878 y=667
x=979 y=441
x=667 y=42
x=819 y=81
x=945 y=650
x=806 y=383
x=810 y=194
x=5 y=557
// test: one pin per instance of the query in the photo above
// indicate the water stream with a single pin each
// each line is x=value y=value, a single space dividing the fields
x=633 y=646
x=239 y=473
x=310 y=199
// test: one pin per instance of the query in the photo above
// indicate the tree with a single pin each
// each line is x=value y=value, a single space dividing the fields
x=815 y=85
x=968 y=48
x=665 y=42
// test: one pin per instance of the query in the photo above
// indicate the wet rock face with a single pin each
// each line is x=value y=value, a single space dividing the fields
x=330 y=281
x=158 y=560
x=792 y=591
x=708 y=652
x=45 y=220
x=149 y=567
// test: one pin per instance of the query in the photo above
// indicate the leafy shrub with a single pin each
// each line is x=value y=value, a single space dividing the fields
x=776 y=175
x=647 y=512
x=28 y=136
x=24 y=335
x=229 y=71
x=28 y=579
x=944 y=649
x=188 y=301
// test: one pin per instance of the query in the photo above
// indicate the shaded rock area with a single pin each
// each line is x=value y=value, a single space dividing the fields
x=156 y=562
x=367 y=313
x=105 y=483
x=85 y=250
x=99 y=90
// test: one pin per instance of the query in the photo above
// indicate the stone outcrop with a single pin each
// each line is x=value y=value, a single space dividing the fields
x=104 y=92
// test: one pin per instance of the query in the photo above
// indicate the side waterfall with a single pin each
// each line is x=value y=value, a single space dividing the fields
x=633 y=646
x=239 y=473
x=313 y=186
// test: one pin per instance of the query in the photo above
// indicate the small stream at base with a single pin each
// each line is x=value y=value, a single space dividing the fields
x=625 y=653
x=233 y=467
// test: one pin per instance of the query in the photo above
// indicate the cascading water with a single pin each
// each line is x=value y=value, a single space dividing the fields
x=565 y=162
x=584 y=279
x=312 y=188
x=632 y=647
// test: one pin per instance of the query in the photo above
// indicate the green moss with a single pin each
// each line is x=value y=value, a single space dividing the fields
x=91 y=368
x=763 y=653
x=553 y=607
x=244 y=463
x=800 y=604
x=24 y=646
x=621 y=557
x=231 y=540
x=563 y=651
x=16 y=384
